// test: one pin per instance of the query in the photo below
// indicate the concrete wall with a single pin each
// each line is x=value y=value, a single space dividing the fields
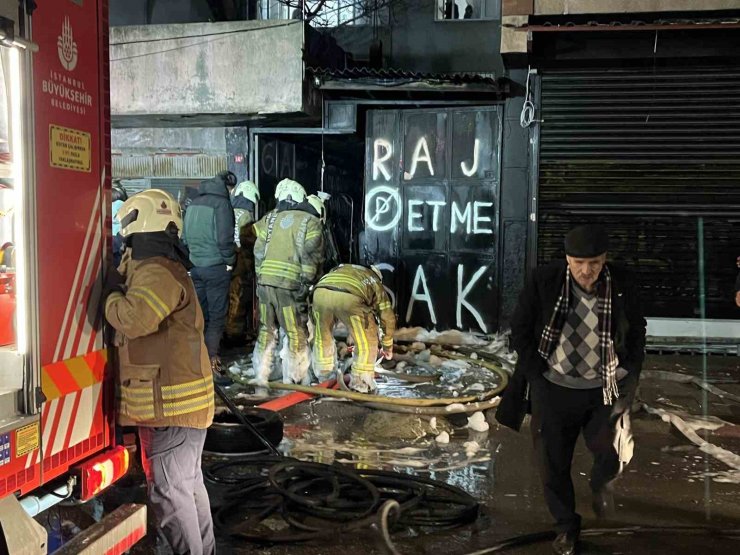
x=254 y=68
x=134 y=12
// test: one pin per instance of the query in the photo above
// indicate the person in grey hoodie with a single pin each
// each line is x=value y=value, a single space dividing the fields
x=209 y=235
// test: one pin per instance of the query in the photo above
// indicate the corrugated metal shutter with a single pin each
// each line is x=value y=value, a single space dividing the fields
x=649 y=153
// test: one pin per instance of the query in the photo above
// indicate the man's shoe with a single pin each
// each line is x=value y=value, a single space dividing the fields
x=602 y=503
x=565 y=543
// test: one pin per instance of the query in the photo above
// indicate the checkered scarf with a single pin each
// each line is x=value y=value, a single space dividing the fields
x=551 y=333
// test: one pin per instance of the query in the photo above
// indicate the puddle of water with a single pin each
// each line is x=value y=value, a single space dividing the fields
x=388 y=441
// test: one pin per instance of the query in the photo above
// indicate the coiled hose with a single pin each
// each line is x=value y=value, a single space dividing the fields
x=311 y=498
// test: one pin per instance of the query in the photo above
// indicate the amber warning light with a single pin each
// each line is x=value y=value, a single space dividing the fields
x=98 y=473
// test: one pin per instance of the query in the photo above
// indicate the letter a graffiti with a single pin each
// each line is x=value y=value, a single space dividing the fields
x=418 y=157
x=421 y=279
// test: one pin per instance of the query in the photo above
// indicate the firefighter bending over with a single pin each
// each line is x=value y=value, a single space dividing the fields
x=288 y=255
x=165 y=384
x=353 y=295
x=244 y=200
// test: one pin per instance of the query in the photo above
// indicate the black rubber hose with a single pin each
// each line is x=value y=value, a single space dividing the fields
x=312 y=498
x=243 y=420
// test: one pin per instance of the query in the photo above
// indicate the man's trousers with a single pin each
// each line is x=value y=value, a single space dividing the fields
x=559 y=415
x=171 y=457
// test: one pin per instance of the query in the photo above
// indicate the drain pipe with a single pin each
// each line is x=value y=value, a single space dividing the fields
x=34 y=505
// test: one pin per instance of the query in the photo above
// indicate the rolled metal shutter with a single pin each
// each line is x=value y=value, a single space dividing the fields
x=654 y=155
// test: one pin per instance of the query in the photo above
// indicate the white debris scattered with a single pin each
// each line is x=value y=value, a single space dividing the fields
x=455 y=394
x=433 y=423
x=471 y=448
x=478 y=423
x=435 y=361
x=454 y=364
x=449 y=337
x=424 y=356
x=444 y=437
x=455 y=407
x=476 y=387
x=474 y=356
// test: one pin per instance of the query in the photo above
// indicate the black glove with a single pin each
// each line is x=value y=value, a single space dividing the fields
x=114 y=281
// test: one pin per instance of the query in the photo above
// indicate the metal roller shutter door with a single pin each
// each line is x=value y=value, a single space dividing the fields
x=655 y=156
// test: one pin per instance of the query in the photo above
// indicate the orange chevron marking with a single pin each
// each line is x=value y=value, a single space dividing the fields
x=65 y=377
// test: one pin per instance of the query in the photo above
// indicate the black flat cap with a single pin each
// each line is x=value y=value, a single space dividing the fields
x=586 y=241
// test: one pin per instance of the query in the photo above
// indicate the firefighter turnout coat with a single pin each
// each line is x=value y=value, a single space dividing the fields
x=289 y=249
x=164 y=375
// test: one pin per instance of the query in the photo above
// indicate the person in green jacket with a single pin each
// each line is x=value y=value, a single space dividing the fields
x=353 y=295
x=209 y=235
x=288 y=255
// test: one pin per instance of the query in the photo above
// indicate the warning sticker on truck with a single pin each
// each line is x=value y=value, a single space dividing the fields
x=26 y=439
x=69 y=149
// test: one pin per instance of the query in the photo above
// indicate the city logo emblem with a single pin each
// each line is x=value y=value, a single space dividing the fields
x=67 y=47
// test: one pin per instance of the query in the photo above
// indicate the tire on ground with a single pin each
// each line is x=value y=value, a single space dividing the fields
x=226 y=435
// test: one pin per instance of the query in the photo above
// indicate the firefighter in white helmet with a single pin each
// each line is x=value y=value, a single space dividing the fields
x=164 y=379
x=288 y=255
x=353 y=295
x=245 y=199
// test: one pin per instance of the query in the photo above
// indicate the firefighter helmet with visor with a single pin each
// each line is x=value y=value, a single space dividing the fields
x=290 y=190
x=248 y=190
x=149 y=211
x=318 y=205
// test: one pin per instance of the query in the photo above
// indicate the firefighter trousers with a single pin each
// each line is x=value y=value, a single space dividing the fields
x=287 y=310
x=171 y=457
x=330 y=306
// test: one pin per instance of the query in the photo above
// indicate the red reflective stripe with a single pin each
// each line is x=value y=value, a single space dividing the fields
x=128 y=542
x=54 y=428
x=62 y=378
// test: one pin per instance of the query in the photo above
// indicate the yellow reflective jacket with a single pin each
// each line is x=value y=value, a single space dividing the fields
x=289 y=249
x=164 y=374
x=363 y=283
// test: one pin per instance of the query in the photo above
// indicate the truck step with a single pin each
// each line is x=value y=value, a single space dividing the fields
x=9 y=403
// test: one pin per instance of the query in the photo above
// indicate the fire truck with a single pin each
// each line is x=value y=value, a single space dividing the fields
x=57 y=441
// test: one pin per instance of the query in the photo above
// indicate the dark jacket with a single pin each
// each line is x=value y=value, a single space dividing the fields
x=534 y=310
x=209 y=226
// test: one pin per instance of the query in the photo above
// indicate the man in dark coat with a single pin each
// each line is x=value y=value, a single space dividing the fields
x=209 y=235
x=580 y=336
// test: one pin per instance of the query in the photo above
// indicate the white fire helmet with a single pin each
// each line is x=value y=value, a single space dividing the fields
x=248 y=190
x=318 y=205
x=288 y=189
x=149 y=211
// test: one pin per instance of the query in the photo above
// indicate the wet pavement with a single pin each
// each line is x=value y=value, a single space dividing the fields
x=670 y=482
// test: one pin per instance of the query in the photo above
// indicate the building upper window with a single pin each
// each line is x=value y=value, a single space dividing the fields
x=330 y=13
x=454 y=10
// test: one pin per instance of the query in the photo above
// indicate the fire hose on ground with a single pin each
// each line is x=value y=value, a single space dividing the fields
x=312 y=498
x=425 y=406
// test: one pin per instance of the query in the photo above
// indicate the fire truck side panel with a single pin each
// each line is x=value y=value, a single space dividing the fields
x=72 y=142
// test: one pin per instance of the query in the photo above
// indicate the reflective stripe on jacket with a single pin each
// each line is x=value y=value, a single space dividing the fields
x=164 y=374
x=289 y=249
x=363 y=283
